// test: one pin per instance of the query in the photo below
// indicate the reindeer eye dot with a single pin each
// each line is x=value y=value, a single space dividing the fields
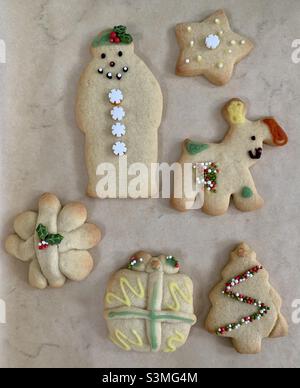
x=253 y=138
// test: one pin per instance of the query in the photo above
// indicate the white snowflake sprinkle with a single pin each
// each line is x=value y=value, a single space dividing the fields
x=119 y=148
x=119 y=130
x=116 y=96
x=212 y=41
x=118 y=113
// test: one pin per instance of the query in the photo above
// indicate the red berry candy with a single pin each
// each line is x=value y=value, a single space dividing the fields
x=112 y=40
x=117 y=40
x=113 y=35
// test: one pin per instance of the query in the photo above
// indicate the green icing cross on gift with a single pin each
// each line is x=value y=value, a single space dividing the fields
x=153 y=317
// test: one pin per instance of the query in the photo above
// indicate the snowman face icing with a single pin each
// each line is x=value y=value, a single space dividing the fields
x=113 y=61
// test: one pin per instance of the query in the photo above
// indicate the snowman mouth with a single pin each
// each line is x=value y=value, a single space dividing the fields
x=110 y=75
x=257 y=154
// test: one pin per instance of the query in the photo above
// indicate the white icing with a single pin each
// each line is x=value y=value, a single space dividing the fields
x=119 y=130
x=119 y=149
x=118 y=113
x=212 y=41
x=116 y=96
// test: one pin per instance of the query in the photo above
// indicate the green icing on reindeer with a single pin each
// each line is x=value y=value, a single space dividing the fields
x=247 y=192
x=195 y=148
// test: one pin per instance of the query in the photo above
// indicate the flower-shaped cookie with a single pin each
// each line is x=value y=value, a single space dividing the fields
x=55 y=240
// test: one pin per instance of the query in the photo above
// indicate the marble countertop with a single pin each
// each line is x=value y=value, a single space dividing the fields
x=41 y=149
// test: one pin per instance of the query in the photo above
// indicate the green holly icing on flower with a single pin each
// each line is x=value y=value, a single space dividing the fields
x=47 y=238
x=116 y=36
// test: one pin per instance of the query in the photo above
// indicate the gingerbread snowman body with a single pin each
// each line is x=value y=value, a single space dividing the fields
x=149 y=306
x=119 y=109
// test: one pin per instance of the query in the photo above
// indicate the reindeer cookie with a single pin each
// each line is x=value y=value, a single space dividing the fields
x=225 y=167
x=55 y=241
x=119 y=109
x=245 y=306
x=149 y=306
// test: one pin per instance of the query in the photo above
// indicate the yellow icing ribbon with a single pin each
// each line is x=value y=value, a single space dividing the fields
x=178 y=338
x=124 y=342
x=175 y=290
x=125 y=300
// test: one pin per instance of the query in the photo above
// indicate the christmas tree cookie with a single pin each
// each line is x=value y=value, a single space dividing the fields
x=245 y=307
x=55 y=241
x=119 y=109
x=222 y=170
x=210 y=48
x=149 y=305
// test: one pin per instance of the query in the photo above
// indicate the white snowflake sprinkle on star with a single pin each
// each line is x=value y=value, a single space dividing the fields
x=119 y=148
x=119 y=130
x=118 y=113
x=212 y=41
x=116 y=96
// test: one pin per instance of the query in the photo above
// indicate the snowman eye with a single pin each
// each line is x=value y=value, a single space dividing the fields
x=103 y=56
x=253 y=138
x=120 y=53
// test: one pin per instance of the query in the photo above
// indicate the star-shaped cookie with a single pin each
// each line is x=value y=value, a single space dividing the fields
x=210 y=48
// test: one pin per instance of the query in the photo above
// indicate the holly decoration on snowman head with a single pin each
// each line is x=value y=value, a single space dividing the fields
x=46 y=238
x=116 y=36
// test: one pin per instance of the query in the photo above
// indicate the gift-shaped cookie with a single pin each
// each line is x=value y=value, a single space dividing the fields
x=55 y=241
x=223 y=170
x=119 y=109
x=246 y=308
x=149 y=305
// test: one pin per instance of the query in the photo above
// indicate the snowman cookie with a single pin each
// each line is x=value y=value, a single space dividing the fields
x=245 y=307
x=149 y=305
x=119 y=109
x=55 y=241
